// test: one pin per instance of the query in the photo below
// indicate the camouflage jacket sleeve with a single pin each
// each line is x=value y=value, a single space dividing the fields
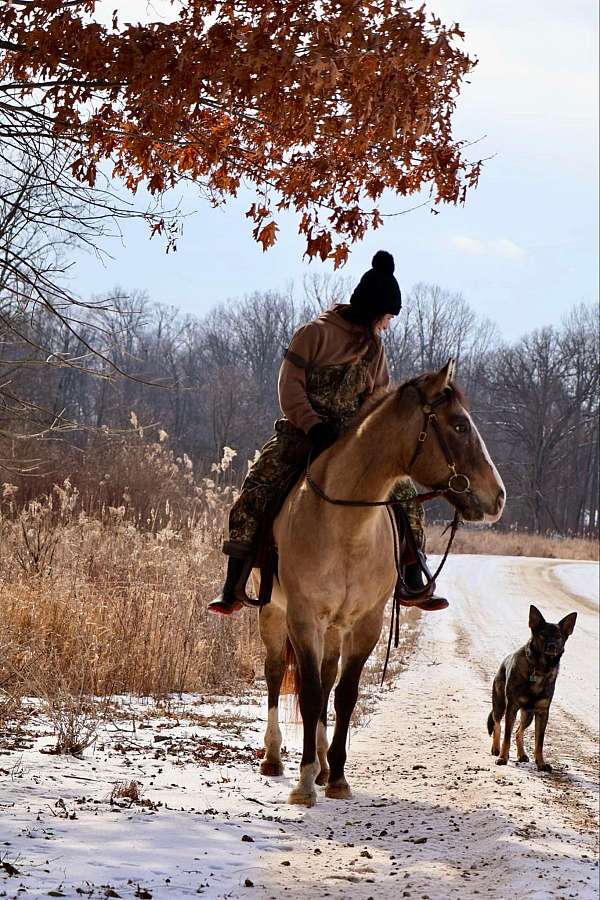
x=293 y=397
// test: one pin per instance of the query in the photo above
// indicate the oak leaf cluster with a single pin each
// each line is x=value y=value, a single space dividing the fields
x=319 y=107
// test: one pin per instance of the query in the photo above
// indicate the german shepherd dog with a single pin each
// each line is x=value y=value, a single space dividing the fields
x=526 y=681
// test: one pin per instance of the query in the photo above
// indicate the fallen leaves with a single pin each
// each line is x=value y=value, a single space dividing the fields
x=10 y=870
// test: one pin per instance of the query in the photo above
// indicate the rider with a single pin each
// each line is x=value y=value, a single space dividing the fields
x=331 y=366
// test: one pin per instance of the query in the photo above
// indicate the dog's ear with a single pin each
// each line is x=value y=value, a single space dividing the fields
x=567 y=624
x=536 y=619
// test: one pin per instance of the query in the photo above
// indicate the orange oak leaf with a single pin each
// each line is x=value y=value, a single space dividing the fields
x=267 y=235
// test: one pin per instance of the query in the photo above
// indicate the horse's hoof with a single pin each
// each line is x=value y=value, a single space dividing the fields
x=501 y=761
x=544 y=767
x=322 y=778
x=523 y=758
x=338 y=791
x=299 y=797
x=495 y=751
x=272 y=769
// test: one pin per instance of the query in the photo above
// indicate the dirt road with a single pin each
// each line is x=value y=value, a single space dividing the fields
x=432 y=817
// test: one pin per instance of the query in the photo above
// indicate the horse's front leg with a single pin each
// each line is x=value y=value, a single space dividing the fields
x=307 y=641
x=356 y=649
x=329 y=668
x=273 y=631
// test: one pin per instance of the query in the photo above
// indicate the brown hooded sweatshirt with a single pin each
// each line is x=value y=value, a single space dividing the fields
x=329 y=340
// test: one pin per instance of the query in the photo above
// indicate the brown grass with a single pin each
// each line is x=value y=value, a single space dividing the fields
x=109 y=599
x=126 y=790
x=493 y=542
x=120 y=612
x=107 y=595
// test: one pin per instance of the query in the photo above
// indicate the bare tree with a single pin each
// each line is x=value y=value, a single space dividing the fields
x=542 y=395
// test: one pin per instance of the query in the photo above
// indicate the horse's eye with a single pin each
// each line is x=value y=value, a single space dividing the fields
x=462 y=427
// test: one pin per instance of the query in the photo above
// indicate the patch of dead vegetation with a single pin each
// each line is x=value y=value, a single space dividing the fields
x=494 y=542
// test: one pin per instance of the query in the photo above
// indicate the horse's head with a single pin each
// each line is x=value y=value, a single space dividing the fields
x=450 y=454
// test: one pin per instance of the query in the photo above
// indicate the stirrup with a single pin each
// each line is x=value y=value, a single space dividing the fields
x=254 y=602
x=413 y=598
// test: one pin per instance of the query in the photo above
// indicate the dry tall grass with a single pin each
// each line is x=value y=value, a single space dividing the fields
x=98 y=599
x=119 y=611
x=493 y=542
x=105 y=592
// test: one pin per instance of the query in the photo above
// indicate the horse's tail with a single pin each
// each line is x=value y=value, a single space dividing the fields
x=291 y=675
x=490 y=723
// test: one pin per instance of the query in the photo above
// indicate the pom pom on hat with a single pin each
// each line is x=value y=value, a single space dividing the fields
x=383 y=262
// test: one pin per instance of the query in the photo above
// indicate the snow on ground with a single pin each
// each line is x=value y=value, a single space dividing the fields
x=580 y=578
x=432 y=816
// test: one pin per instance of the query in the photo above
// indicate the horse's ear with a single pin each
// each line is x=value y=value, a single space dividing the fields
x=442 y=379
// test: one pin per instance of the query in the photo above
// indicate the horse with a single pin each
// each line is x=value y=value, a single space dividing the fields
x=337 y=565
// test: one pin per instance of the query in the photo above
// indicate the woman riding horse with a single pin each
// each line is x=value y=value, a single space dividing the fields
x=333 y=364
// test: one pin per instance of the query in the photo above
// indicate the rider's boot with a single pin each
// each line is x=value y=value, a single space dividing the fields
x=413 y=578
x=233 y=595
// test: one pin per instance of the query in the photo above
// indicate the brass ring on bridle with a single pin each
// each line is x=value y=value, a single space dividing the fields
x=460 y=479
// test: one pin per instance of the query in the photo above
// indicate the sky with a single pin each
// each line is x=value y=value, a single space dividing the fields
x=522 y=250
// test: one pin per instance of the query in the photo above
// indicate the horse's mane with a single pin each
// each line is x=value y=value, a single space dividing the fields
x=380 y=395
x=372 y=403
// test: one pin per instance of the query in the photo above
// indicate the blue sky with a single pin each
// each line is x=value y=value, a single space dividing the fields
x=524 y=247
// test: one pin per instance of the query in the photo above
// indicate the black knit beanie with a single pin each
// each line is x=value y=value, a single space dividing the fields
x=377 y=293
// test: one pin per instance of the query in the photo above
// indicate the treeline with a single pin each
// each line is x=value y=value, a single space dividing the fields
x=211 y=382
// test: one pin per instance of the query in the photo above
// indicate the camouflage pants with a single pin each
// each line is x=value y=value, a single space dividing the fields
x=405 y=490
x=280 y=462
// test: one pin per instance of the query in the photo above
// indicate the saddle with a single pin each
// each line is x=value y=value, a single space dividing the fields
x=266 y=556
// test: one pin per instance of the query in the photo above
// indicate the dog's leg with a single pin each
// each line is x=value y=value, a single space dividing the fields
x=526 y=720
x=541 y=720
x=496 y=739
x=498 y=709
x=509 y=721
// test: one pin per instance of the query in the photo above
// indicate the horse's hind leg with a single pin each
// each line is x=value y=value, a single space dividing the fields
x=273 y=632
x=329 y=668
x=357 y=649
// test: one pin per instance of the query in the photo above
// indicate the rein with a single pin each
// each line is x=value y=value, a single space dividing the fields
x=395 y=617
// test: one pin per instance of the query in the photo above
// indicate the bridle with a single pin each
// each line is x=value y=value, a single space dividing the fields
x=457 y=482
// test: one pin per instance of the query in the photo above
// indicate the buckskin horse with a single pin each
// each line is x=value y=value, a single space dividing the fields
x=337 y=563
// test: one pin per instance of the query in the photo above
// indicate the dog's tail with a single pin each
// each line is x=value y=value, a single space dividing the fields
x=491 y=723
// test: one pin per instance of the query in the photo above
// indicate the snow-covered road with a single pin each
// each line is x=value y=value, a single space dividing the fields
x=432 y=817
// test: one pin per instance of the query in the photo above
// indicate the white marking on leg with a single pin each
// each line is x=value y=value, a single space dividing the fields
x=273 y=736
x=304 y=793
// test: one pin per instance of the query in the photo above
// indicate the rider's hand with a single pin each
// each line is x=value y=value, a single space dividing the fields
x=321 y=436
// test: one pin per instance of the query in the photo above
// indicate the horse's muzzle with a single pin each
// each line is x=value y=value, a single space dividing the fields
x=473 y=509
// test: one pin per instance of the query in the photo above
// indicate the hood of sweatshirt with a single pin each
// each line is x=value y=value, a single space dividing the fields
x=332 y=317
